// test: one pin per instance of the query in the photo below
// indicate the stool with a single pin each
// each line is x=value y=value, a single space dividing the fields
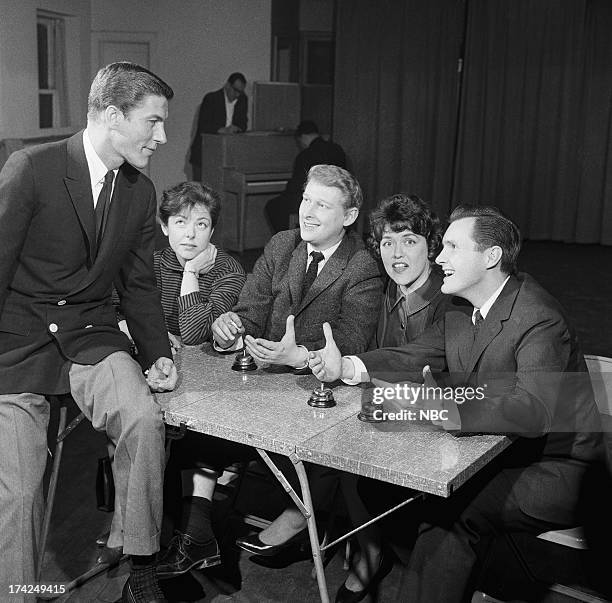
x=63 y=431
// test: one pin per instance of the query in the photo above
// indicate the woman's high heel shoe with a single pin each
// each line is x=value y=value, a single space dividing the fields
x=344 y=595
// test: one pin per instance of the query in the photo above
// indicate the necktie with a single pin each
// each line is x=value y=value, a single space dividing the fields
x=102 y=205
x=478 y=320
x=311 y=273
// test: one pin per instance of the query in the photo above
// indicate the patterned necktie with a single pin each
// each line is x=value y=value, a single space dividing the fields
x=478 y=320
x=311 y=273
x=102 y=205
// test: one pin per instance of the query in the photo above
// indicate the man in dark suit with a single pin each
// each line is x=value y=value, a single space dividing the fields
x=77 y=216
x=319 y=272
x=221 y=112
x=508 y=337
x=315 y=150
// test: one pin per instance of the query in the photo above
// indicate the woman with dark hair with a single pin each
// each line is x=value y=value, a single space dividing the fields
x=198 y=282
x=406 y=235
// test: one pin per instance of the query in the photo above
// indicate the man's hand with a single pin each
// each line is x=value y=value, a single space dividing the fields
x=226 y=329
x=162 y=375
x=204 y=261
x=175 y=342
x=285 y=351
x=231 y=129
x=326 y=364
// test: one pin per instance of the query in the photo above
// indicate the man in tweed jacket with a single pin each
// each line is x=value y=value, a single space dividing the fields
x=280 y=320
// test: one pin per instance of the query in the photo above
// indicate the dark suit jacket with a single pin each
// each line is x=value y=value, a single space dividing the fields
x=346 y=293
x=55 y=293
x=537 y=387
x=212 y=117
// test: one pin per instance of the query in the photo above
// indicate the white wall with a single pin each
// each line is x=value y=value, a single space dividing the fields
x=199 y=43
x=19 y=64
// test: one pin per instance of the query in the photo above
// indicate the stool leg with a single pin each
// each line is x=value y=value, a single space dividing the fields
x=51 y=493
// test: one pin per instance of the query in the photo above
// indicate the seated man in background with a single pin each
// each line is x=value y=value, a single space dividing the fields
x=508 y=334
x=320 y=272
x=221 y=112
x=315 y=150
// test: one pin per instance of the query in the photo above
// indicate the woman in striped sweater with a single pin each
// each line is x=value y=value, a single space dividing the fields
x=198 y=282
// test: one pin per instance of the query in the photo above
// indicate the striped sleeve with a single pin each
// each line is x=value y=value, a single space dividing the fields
x=219 y=291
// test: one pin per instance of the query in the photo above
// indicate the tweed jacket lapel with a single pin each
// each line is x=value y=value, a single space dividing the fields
x=78 y=184
x=330 y=272
x=500 y=311
x=296 y=273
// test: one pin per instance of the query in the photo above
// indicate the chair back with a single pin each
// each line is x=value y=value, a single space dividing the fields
x=600 y=372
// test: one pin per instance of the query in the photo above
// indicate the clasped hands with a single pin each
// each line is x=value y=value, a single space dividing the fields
x=162 y=375
x=228 y=328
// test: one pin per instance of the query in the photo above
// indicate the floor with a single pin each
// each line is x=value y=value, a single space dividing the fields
x=578 y=275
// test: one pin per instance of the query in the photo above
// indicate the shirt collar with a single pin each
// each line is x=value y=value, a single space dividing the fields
x=169 y=260
x=327 y=253
x=97 y=169
x=416 y=300
x=484 y=309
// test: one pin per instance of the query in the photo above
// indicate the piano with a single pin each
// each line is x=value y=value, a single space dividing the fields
x=247 y=170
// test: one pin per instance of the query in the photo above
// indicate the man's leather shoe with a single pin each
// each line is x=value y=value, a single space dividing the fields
x=184 y=554
x=130 y=595
x=253 y=544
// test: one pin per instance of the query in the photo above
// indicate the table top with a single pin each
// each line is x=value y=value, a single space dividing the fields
x=414 y=455
x=268 y=409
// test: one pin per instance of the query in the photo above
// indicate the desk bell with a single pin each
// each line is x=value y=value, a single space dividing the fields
x=244 y=362
x=322 y=397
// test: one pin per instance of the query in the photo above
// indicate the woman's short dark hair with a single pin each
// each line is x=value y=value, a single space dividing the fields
x=492 y=228
x=186 y=195
x=405 y=212
x=124 y=85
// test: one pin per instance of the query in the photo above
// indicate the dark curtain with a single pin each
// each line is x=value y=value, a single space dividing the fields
x=396 y=93
x=534 y=125
x=532 y=131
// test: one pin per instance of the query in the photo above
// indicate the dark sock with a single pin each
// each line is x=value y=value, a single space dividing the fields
x=196 y=521
x=143 y=579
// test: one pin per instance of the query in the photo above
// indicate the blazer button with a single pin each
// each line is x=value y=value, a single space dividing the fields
x=61 y=302
x=53 y=327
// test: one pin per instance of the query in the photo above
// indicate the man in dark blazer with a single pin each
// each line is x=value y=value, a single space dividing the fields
x=77 y=216
x=221 y=112
x=509 y=337
x=315 y=150
x=319 y=272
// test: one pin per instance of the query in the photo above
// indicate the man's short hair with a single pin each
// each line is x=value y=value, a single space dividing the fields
x=124 y=85
x=236 y=76
x=344 y=181
x=186 y=195
x=492 y=227
x=405 y=212
x=306 y=127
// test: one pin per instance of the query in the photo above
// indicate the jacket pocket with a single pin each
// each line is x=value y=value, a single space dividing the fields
x=13 y=322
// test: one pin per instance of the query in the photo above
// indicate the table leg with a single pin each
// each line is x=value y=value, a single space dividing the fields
x=312 y=529
x=305 y=506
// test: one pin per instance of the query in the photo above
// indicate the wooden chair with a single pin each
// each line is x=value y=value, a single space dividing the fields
x=600 y=371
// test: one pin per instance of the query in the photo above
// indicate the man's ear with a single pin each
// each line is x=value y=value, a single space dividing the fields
x=113 y=115
x=493 y=256
x=350 y=215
